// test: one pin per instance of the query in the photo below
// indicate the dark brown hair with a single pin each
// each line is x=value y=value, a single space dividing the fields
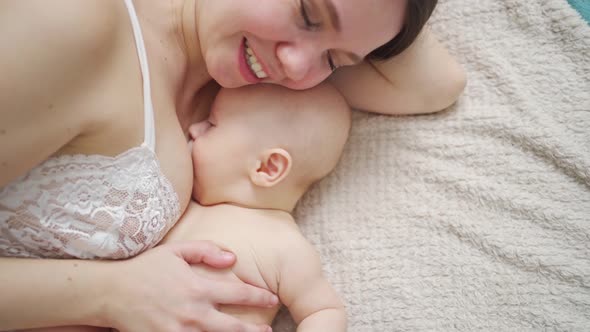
x=417 y=13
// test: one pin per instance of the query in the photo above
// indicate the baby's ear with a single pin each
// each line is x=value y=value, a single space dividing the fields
x=272 y=167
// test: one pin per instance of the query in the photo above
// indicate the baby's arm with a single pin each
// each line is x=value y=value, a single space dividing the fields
x=312 y=301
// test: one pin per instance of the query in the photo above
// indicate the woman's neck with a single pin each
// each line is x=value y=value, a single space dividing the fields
x=171 y=31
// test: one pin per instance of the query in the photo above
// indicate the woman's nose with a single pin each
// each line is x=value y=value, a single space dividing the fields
x=297 y=60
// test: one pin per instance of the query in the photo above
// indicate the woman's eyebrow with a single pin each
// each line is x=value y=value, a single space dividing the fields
x=333 y=14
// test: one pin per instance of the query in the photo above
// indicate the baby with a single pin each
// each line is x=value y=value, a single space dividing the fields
x=258 y=152
x=256 y=155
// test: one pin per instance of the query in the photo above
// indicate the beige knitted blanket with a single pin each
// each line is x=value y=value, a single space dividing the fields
x=477 y=218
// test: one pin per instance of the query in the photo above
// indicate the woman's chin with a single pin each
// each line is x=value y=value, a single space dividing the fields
x=223 y=78
x=229 y=84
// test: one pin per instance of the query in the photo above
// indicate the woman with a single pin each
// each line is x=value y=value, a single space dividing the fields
x=78 y=137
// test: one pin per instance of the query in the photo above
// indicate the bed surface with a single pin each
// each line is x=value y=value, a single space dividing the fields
x=476 y=218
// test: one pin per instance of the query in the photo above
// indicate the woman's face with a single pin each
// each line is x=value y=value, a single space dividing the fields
x=295 y=43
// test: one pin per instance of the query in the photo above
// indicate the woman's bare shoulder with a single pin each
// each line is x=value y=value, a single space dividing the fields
x=52 y=53
x=59 y=23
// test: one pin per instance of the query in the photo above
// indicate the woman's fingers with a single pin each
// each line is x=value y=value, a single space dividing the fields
x=220 y=322
x=240 y=293
x=204 y=252
x=189 y=296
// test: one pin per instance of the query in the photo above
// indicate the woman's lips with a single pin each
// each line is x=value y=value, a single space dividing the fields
x=243 y=65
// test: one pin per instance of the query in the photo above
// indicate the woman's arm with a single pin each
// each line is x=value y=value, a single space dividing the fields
x=52 y=55
x=153 y=292
x=422 y=79
x=43 y=292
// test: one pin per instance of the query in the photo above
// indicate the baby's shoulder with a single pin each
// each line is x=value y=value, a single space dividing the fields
x=261 y=229
x=280 y=226
x=286 y=240
x=269 y=231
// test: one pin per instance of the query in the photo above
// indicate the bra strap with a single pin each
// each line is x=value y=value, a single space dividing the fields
x=149 y=126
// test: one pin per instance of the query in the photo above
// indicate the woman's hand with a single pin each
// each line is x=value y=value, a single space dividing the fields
x=158 y=292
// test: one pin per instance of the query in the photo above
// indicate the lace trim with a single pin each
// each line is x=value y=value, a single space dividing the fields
x=88 y=206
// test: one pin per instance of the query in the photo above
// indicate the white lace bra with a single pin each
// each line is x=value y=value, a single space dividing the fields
x=92 y=206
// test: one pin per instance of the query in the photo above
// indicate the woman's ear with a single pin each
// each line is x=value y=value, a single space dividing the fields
x=272 y=167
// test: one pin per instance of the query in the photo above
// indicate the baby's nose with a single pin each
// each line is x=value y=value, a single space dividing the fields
x=197 y=129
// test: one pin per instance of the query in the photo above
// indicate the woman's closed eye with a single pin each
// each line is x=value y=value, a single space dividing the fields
x=313 y=26
x=309 y=24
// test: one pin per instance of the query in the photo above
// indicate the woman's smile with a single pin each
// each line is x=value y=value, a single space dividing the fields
x=250 y=66
x=255 y=65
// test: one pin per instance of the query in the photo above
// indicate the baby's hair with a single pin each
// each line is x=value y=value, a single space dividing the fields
x=417 y=13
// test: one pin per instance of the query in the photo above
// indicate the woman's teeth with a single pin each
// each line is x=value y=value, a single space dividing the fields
x=253 y=62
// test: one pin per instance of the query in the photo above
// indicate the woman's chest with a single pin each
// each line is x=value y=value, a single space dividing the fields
x=120 y=119
x=107 y=194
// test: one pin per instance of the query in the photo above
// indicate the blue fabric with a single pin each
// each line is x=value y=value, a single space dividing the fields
x=583 y=7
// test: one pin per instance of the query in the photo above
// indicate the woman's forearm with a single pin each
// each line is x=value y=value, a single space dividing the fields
x=44 y=292
x=424 y=78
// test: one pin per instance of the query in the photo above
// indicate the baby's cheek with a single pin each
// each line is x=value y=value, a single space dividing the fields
x=199 y=161
x=195 y=193
x=190 y=147
x=194 y=150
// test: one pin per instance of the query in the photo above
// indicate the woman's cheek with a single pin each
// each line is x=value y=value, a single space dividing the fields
x=273 y=20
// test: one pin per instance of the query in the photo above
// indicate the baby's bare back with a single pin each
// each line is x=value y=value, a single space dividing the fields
x=254 y=236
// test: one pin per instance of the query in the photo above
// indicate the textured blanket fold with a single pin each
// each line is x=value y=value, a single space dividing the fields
x=476 y=218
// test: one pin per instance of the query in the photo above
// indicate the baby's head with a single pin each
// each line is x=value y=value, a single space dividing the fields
x=264 y=145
